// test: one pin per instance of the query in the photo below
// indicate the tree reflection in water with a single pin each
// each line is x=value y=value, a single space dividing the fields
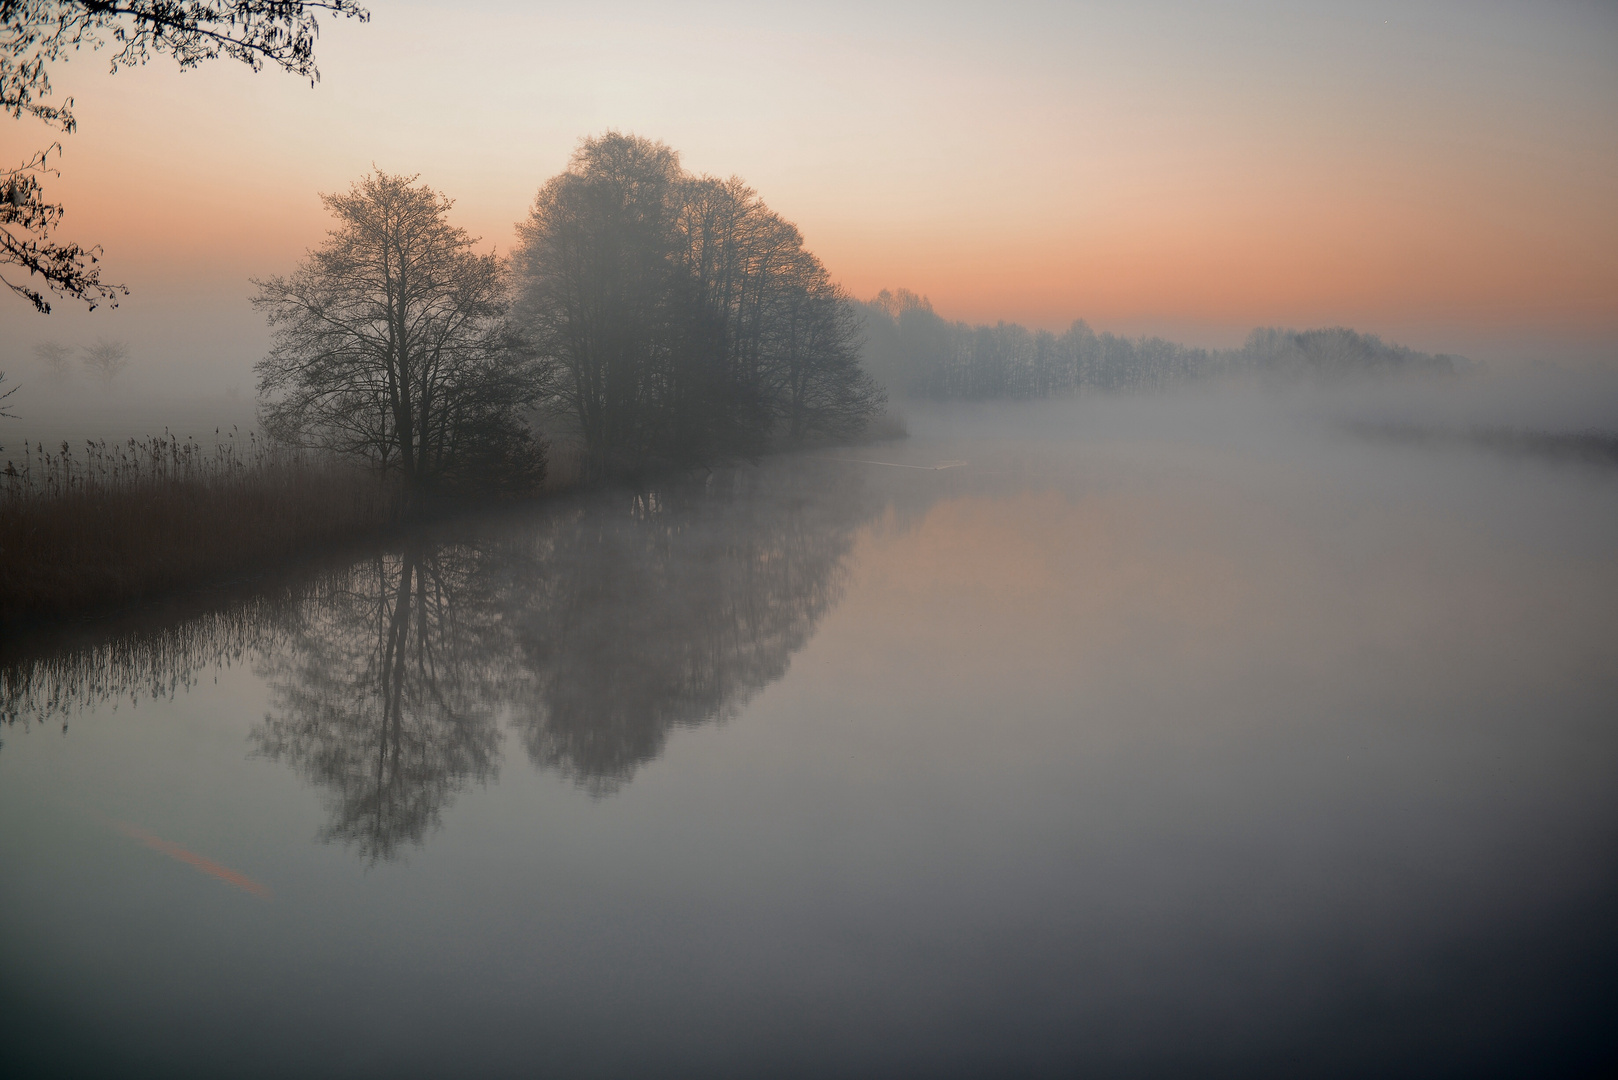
x=593 y=629
x=591 y=626
x=673 y=611
x=384 y=696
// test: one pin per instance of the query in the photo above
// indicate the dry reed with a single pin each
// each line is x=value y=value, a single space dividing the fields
x=120 y=522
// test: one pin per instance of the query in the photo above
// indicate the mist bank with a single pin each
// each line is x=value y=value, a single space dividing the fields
x=916 y=353
x=1142 y=659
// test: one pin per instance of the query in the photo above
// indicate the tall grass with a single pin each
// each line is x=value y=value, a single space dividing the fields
x=109 y=523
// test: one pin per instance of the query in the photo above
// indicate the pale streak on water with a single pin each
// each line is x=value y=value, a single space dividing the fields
x=1189 y=736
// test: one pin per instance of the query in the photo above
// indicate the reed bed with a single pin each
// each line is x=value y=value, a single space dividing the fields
x=105 y=524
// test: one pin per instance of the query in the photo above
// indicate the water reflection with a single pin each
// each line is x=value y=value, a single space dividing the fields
x=385 y=694
x=1163 y=740
x=674 y=613
x=591 y=628
x=155 y=655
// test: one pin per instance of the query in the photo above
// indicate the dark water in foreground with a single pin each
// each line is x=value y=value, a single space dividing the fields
x=1178 y=737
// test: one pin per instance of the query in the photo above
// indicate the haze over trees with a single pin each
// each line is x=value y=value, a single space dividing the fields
x=917 y=353
x=56 y=359
x=105 y=360
x=34 y=34
x=668 y=320
x=687 y=321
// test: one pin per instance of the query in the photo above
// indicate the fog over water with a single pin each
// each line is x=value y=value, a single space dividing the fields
x=1208 y=733
x=880 y=539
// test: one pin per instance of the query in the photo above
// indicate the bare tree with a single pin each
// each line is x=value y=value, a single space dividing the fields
x=391 y=344
x=56 y=359
x=105 y=360
x=37 y=33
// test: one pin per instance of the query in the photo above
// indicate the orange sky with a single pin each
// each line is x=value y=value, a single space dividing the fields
x=1445 y=177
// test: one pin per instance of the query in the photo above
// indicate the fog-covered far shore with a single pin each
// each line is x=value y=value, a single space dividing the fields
x=1543 y=400
x=194 y=343
x=43 y=413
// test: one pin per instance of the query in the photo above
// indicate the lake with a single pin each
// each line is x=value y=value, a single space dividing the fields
x=1215 y=734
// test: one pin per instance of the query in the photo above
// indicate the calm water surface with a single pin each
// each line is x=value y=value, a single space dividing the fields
x=1190 y=737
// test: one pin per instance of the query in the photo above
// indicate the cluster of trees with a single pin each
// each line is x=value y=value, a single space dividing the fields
x=916 y=353
x=1334 y=352
x=659 y=319
x=104 y=361
x=687 y=321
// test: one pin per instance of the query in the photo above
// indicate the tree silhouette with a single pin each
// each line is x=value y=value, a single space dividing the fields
x=37 y=33
x=26 y=222
x=391 y=344
x=597 y=281
x=106 y=360
x=688 y=323
x=56 y=359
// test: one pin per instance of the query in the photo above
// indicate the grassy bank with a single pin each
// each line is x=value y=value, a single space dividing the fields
x=91 y=528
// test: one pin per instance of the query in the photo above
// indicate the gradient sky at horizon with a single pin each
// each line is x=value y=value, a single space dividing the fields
x=1443 y=174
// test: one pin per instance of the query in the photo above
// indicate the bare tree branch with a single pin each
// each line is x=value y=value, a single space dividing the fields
x=37 y=33
x=26 y=222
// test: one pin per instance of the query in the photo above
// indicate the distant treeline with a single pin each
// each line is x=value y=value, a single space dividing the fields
x=916 y=353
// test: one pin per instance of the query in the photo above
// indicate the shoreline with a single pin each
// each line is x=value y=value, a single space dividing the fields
x=111 y=559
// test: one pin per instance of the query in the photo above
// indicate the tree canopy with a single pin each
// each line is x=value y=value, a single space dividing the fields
x=688 y=323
